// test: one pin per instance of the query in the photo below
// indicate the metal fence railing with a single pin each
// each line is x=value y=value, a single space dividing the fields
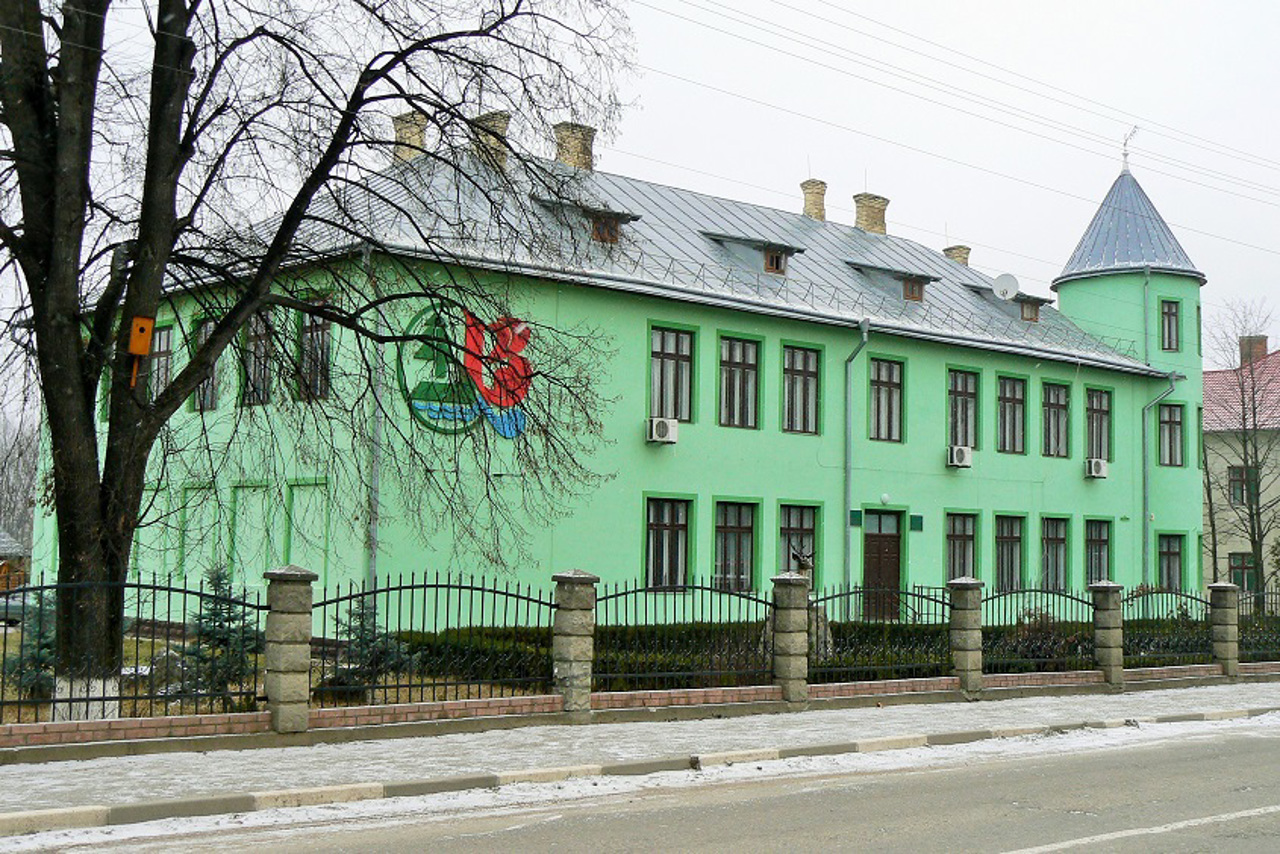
x=183 y=650
x=858 y=634
x=693 y=636
x=1260 y=626
x=1166 y=627
x=430 y=638
x=1036 y=630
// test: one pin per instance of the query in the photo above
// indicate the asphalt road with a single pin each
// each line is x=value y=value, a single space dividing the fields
x=1210 y=792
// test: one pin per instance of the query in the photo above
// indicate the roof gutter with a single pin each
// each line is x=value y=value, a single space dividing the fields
x=864 y=326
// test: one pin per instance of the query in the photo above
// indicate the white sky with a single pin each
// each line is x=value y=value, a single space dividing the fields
x=1196 y=78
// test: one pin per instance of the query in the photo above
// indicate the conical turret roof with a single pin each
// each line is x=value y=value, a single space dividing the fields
x=1127 y=233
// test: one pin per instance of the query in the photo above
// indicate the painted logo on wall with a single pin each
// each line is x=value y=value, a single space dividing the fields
x=451 y=395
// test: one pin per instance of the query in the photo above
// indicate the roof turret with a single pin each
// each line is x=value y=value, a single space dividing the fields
x=1127 y=233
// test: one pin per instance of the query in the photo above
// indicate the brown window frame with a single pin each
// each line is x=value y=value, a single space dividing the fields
x=886 y=409
x=739 y=383
x=1171 y=549
x=159 y=364
x=314 y=362
x=1170 y=325
x=1172 y=434
x=775 y=261
x=1031 y=312
x=962 y=545
x=255 y=361
x=797 y=523
x=1010 y=533
x=962 y=407
x=605 y=229
x=1242 y=485
x=913 y=290
x=1097 y=550
x=735 y=526
x=667 y=540
x=801 y=390
x=1242 y=573
x=1055 y=571
x=1011 y=415
x=1097 y=419
x=671 y=393
x=205 y=398
x=1056 y=420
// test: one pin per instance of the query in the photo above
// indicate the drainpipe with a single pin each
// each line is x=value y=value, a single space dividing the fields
x=1146 y=477
x=1146 y=315
x=864 y=326
x=375 y=436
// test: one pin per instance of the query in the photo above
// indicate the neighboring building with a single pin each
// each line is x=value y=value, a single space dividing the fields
x=780 y=385
x=1242 y=476
x=14 y=561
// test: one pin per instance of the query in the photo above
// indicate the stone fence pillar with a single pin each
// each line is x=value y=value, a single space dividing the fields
x=573 y=637
x=791 y=636
x=288 y=651
x=1108 y=630
x=966 y=632
x=1224 y=622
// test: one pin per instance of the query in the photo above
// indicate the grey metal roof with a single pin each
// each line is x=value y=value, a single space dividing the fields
x=676 y=248
x=9 y=547
x=1127 y=233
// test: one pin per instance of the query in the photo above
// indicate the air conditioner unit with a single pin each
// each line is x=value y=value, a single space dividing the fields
x=661 y=430
x=1095 y=467
x=959 y=457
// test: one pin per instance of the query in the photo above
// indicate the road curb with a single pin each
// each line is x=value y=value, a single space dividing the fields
x=79 y=817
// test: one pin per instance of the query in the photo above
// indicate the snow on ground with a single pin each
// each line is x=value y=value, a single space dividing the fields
x=126 y=779
x=514 y=798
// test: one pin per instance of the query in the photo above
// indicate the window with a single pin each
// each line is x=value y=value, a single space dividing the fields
x=797 y=537
x=605 y=229
x=775 y=261
x=1053 y=554
x=962 y=407
x=1057 y=420
x=1240 y=565
x=1097 y=417
x=961 y=546
x=671 y=374
x=667 y=553
x=1011 y=416
x=800 y=384
x=1169 y=328
x=206 y=396
x=735 y=545
x=739 y=362
x=1031 y=312
x=1008 y=553
x=255 y=368
x=913 y=290
x=1097 y=550
x=1170 y=434
x=886 y=400
x=159 y=368
x=1242 y=484
x=313 y=357
x=1170 y=561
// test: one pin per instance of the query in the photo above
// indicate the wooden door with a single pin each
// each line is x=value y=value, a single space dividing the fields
x=881 y=564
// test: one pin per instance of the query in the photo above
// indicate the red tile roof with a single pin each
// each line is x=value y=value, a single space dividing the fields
x=1229 y=393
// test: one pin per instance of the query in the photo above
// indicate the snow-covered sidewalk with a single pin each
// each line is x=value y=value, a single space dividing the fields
x=118 y=780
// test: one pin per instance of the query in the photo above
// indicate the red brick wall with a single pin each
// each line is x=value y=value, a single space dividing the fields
x=449 y=710
x=882 y=686
x=1186 y=671
x=685 y=697
x=76 y=732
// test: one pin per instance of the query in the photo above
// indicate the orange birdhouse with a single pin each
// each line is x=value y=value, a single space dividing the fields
x=140 y=336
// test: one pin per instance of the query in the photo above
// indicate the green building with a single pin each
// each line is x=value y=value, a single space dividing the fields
x=773 y=386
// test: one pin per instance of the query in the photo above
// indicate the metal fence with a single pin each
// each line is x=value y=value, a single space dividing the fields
x=1164 y=628
x=1260 y=626
x=688 y=637
x=1036 y=630
x=858 y=634
x=430 y=638
x=185 y=650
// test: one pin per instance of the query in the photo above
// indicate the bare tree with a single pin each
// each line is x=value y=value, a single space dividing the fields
x=239 y=161
x=1241 y=454
x=18 y=449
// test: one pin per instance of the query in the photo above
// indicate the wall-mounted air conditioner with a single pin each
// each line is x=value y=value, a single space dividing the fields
x=1095 y=467
x=959 y=457
x=661 y=430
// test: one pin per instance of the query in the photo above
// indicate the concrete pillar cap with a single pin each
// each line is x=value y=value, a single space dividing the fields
x=1225 y=586
x=966 y=582
x=290 y=573
x=575 y=576
x=790 y=578
x=1106 y=585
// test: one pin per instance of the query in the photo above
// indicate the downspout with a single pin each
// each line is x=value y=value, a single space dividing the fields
x=375 y=437
x=1146 y=315
x=1146 y=477
x=864 y=326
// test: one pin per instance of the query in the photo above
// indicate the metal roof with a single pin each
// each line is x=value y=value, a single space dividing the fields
x=1126 y=234
x=9 y=547
x=433 y=210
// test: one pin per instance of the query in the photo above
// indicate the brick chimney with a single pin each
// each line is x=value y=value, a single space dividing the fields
x=491 y=137
x=573 y=145
x=410 y=128
x=815 y=194
x=959 y=254
x=870 y=215
x=1253 y=348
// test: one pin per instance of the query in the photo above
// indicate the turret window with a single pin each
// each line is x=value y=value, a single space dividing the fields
x=1171 y=438
x=1170 y=340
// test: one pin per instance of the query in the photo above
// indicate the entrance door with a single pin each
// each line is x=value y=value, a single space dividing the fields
x=881 y=564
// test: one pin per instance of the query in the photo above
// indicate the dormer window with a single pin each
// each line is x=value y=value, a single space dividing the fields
x=605 y=229
x=775 y=261
x=1031 y=312
x=913 y=290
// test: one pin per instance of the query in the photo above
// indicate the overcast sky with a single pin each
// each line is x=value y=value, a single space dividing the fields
x=1011 y=157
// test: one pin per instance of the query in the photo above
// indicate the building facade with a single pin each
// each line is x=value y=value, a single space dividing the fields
x=777 y=388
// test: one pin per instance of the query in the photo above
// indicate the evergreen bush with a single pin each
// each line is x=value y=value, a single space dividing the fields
x=220 y=658
x=33 y=664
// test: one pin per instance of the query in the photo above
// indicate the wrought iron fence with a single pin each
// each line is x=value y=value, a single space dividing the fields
x=430 y=638
x=184 y=651
x=1166 y=627
x=1260 y=626
x=1036 y=630
x=860 y=634
x=688 y=637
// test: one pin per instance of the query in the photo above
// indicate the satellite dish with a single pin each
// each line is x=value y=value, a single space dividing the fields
x=1005 y=286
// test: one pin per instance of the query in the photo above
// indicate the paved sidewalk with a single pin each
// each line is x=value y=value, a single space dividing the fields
x=118 y=780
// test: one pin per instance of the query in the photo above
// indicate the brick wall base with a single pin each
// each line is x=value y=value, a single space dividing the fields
x=129 y=729
x=832 y=690
x=1026 y=680
x=1259 y=668
x=685 y=697
x=401 y=713
x=1185 y=671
